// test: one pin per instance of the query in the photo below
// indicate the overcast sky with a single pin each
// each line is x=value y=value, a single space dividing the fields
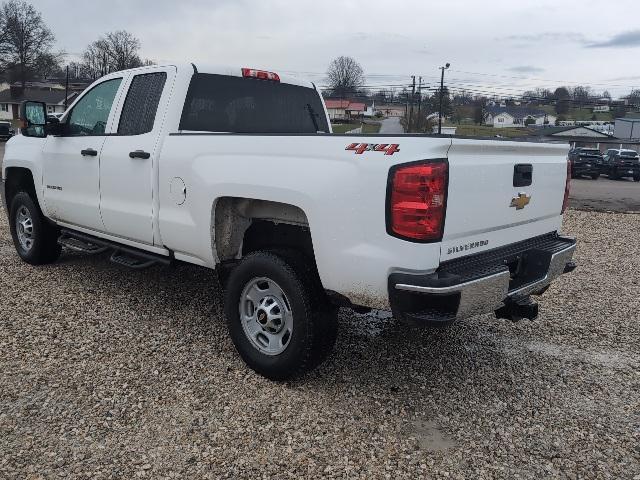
x=506 y=46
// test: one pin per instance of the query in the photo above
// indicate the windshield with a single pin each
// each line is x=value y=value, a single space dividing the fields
x=222 y=103
x=590 y=152
x=628 y=153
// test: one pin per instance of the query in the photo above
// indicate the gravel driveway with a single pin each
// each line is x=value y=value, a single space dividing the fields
x=111 y=373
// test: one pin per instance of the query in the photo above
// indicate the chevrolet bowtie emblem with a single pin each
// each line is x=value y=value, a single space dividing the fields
x=521 y=201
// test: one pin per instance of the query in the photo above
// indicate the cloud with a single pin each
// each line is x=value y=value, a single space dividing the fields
x=526 y=69
x=622 y=40
x=548 y=37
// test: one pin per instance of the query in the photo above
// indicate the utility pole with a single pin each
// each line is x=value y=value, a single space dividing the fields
x=419 y=101
x=441 y=97
x=66 y=90
x=413 y=94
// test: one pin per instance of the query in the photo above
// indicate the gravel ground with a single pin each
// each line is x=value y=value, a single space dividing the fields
x=110 y=373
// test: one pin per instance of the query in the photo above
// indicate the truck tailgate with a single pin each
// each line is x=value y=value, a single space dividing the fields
x=484 y=208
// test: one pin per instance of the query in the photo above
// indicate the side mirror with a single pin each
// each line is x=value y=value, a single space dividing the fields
x=54 y=126
x=33 y=119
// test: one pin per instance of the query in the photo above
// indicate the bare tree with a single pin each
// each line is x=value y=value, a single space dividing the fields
x=115 y=51
x=581 y=95
x=345 y=75
x=25 y=43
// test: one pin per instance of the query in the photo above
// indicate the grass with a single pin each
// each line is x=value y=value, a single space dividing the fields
x=487 y=131
x=578 y=114
x=345 y=127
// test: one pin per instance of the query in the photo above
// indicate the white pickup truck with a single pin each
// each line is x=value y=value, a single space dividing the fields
x=237 y=170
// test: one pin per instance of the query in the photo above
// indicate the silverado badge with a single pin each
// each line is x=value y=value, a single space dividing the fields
x=521 y=201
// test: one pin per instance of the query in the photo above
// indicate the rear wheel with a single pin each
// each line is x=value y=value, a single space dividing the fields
x=36 y=241
x=636 y=178
x=274 y=318
x=595 y=176
x=613 y=175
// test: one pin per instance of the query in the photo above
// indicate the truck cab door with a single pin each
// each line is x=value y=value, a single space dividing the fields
x=71 y=161
x=128 y=163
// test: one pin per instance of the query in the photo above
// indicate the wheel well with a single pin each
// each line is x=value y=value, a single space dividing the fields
x=244 y=225
x=18 y=180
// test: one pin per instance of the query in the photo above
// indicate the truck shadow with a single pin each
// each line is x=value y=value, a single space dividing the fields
x=370 y=348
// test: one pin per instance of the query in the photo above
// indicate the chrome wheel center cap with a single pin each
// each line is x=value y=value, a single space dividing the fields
x=269 y=315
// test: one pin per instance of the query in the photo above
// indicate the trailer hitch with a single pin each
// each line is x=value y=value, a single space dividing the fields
x=518 y=309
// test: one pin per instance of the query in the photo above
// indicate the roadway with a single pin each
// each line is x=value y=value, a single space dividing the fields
x=391 y=126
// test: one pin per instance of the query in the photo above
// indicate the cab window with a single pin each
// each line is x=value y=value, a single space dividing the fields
x=89 y=116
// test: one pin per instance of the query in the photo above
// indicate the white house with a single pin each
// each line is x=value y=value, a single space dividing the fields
x=601 y=108
x=501 y=117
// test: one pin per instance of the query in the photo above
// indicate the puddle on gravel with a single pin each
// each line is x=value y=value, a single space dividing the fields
x=429 y=437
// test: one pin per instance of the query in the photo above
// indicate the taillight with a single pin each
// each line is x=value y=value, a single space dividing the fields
x=567 y=185
x=417 y=201
x=261 y=74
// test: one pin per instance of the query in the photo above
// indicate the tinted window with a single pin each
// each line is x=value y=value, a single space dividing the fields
x=89 y=116
x=220 y=103
x=139 y=110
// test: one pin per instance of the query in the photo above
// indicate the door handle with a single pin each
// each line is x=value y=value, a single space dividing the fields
x=139 y=154
x=88 y=152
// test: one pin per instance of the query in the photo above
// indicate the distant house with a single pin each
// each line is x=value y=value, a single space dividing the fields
x=12 y=97
x=355 y=109
x=501 y=117
x=336 y=109
x=601 y=108
x=344 y=109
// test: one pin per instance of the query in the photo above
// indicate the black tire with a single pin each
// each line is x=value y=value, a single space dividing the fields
x=636 y=178
x=43 y=245
x=314 y=329
x=595 y=176
x=613 y=175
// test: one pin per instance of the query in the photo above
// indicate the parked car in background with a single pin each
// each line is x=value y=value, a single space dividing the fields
x=6 y=131
x=620 y=163
x=585 y=162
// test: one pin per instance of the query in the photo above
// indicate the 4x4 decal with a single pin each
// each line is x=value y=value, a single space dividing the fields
x=388 y=149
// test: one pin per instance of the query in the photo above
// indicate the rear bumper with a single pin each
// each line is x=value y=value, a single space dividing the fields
x=484 y=282
x=625 y=170
x=582 y=169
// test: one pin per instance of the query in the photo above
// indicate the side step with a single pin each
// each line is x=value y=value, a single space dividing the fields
x=78 y=245
x=132 y=261
x=122 y=255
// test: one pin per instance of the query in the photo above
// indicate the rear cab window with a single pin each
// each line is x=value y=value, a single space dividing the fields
x=223 y=103
x=139 y=110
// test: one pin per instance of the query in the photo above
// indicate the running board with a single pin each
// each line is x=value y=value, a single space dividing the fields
x=122 y=255
x=78 y=245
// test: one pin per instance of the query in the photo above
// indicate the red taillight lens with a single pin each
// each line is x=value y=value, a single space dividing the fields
x=417 y=201
x=567 y=186
x=261 y=74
